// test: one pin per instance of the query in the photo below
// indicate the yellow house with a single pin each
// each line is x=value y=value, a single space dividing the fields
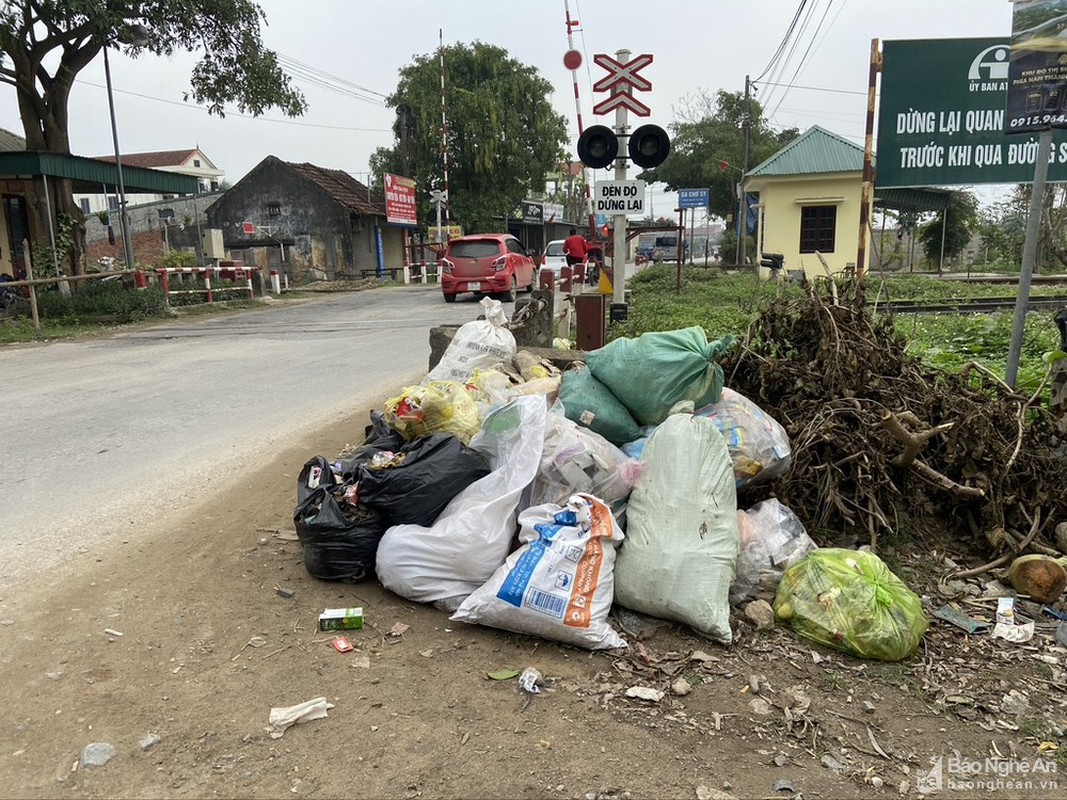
x=809 y=202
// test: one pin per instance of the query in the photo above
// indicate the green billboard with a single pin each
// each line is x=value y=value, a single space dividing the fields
x=941 y=117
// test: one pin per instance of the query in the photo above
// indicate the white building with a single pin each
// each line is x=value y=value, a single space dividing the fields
x=185 y=162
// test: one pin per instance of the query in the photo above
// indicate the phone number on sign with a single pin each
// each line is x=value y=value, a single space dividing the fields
x=1047 y=119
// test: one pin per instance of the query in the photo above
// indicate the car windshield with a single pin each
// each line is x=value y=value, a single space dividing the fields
x=478 y=248
x=554 y=249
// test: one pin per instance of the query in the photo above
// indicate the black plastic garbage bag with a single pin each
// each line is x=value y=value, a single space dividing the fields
x=340 y=540
x=316 y=472
x=414 y=487
x=380 y=438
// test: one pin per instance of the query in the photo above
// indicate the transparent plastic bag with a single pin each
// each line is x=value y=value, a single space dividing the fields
x=849 y=600
x=577 y=459
x=772 y=539
x=758 y=444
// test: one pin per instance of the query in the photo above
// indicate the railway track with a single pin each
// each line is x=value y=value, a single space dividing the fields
x=986 y=305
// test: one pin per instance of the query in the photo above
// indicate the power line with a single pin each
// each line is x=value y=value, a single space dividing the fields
x=785 y=39
x=813 y=88
x=325 y=80
x=784 y=62
x=284 y=59
x=194 y=106
x=803 y=58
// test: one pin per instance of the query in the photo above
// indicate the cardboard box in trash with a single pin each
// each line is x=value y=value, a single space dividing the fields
x=341 y=619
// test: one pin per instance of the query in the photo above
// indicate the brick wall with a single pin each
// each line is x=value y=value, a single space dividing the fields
x=147 y=248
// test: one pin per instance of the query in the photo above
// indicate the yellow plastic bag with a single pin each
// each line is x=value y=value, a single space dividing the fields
x=438 y=407
x=849 y=600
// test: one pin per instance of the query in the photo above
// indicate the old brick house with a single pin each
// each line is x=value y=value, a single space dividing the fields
x=306 y=219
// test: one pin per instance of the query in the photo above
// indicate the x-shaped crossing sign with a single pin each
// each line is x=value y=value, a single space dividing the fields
x=620 y=74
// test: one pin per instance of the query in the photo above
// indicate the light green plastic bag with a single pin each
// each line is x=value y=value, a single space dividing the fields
x=849 y=600
x=651 y=373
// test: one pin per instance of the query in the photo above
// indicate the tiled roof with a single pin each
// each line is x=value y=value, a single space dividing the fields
x=11 y=141
x=162 y=158
x=343 y=188
x=816 y=150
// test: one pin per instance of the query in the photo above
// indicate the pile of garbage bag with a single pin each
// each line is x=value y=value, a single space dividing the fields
x=520 y=497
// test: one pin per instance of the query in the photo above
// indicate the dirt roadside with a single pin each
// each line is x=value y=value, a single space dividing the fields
x=416 y=716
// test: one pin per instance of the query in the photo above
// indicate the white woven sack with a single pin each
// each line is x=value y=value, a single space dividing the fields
x=444 y=563
x=681 y=533
x=480 y=344
x=558 y=585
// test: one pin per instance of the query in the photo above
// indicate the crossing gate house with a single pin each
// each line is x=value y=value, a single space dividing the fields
x=308 y=221
x=809 y=201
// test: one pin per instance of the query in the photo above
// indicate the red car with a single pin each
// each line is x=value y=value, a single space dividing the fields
x=487 y=263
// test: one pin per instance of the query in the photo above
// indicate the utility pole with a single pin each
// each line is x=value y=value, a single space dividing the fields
x=618 y=259
x=746 y=130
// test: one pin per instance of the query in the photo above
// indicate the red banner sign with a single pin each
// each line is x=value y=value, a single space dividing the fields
x=401 y=206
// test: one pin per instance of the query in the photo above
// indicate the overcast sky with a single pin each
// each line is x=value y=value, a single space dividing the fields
x=697 y=45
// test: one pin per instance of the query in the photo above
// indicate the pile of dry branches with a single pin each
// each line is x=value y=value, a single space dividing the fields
x=882 y=444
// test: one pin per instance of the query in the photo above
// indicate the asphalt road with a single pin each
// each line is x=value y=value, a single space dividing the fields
x=105 y=437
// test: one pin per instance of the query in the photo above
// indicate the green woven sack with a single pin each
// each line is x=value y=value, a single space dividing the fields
x=651 y=373
x=590 y=403
x=849 y=600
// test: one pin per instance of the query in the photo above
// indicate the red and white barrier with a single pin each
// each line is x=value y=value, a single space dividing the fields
x=234 y=272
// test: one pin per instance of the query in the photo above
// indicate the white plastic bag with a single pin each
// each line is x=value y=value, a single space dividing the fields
x=559 y=584
x=577 y=459
x=480 y=344
x=773 y=539
x=681 y=529
x=446 y=562
x=758 y=444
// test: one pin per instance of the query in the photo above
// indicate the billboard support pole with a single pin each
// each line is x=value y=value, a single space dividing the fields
x=868 y=168
x=1033 y=234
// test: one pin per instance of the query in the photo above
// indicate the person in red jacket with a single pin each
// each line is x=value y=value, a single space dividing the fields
x=574 y=248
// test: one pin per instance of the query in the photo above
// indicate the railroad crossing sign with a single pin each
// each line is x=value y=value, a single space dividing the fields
x=622 y=80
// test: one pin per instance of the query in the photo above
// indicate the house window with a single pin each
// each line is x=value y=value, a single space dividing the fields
x=112 y=203
x=84 y=203
x=818 y=226
x=196 y=162
x=274 y=210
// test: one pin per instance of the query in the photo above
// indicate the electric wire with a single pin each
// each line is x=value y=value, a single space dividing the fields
x=785 y=39
x=783 y=63
x=803 y=59
x=197 y=107
x=328 y=76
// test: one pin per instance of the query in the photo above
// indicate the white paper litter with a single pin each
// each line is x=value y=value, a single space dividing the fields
x=284 y=718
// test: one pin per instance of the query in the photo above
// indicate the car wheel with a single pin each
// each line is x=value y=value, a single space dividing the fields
x=450 y=298
x=509 y=295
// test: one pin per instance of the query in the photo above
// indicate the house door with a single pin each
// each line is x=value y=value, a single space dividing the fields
x=18 y=228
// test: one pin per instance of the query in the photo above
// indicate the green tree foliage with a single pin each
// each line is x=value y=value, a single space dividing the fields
x=503 y=135
x=962 y=221
x=44 y=44
x=64 y=36
x=707 y=147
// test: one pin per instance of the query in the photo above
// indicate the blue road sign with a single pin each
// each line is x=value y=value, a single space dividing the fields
x=692 y=198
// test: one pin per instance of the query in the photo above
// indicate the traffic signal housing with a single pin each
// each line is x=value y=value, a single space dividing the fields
x=598 y=146
x=649 y=146
x=772 y=261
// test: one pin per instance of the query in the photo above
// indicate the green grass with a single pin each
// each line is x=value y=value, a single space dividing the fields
x=728 y=303
x=932 y=290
